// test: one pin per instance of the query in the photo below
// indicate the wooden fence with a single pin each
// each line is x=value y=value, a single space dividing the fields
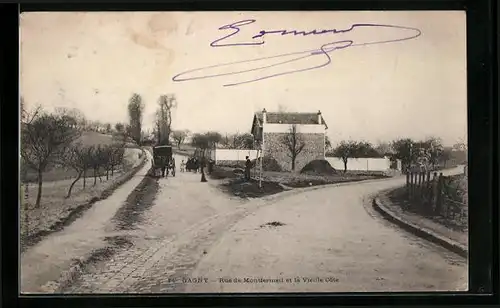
x=435 y=195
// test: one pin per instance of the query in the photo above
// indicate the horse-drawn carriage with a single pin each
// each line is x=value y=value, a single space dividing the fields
x=163 y=161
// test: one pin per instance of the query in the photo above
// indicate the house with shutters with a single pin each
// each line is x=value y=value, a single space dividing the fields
x=277 y=134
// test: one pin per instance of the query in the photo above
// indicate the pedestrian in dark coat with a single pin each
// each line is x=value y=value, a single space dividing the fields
x=248 y=166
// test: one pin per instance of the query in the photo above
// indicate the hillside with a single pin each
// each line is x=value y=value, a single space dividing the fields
x=87 y=139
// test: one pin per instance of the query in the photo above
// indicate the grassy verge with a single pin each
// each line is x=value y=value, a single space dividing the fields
x=397 y=198
x=56 y=212
x=138 y=201
x=275 y=182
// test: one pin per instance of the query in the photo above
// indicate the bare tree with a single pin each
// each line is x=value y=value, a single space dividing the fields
x=135 y=113
x=28 y=116
x=97 y=162
x=166 y=103
x=89 y=156
x=179 y=136
x=328 y=144
x=346 y=150
x=43 y=140
x=78 y=158
x=74 y=116
x=117 y=152
x=294 y=143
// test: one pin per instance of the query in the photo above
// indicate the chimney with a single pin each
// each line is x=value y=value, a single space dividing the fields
x=264 y=115
x=319 y=117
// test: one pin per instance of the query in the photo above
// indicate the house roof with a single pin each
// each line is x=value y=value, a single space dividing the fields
x=288 y=118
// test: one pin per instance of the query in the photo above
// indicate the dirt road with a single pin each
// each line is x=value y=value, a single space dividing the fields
x=192 y=230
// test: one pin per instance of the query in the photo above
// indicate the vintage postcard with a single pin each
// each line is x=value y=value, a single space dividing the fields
x=212 y=152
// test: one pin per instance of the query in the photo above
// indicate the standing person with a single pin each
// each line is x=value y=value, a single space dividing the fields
x=163 y=167
x=248 y=166
x=211 y=164
x=183 y=165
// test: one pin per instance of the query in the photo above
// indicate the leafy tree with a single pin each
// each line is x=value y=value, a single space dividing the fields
x=163 y=123
x=135 y=112
x=433 y=149
x=445 y=156
x=179 y=136
x=213 y=139
x=383 y=149
x=200 y=141
x=119 y=127
x=345 y=150
x=365 y=150
x=405 y=150
x=237 y=141
x=108 y=128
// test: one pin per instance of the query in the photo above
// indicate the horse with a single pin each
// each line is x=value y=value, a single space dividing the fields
x=192 y=164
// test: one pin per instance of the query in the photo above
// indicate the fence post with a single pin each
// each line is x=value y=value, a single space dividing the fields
x=410 y=186
x=434 y=192
x=422 y=185
x=412 y=180
x=439 y=194
x=428 y=193
x=407 y=185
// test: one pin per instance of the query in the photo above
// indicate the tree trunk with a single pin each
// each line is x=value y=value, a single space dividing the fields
x=95 y=178
x=73 y=184
x=112 y=169
x=345 y=166
x=84 y=178
x=39 y=194
x=107 y=174
x=293 y=163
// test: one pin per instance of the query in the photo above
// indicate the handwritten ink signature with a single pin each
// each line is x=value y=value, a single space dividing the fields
x=324 y=50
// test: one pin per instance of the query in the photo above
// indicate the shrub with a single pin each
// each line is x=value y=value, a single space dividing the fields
x=271 y=164
x=319 y=167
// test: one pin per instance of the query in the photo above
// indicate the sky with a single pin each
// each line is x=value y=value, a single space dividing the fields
x=95 y=61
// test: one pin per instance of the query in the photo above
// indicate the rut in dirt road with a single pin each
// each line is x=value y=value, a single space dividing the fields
x=185 y=219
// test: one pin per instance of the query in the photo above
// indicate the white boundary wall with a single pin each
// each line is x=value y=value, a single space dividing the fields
x=234 y=155
x=361 y=164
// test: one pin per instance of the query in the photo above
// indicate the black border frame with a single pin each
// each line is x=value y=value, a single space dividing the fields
x=483 y=158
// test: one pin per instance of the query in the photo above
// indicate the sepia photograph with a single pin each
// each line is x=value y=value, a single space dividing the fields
x=243 y=152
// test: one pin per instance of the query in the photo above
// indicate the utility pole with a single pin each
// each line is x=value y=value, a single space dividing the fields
x=260 y=167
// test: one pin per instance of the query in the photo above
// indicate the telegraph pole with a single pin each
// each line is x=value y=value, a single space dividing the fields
x=260 y=166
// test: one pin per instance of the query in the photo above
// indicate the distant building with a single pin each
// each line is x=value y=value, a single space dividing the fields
x=271 y=128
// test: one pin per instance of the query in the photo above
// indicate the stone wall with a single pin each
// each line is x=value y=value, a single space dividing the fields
x=276 y=148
